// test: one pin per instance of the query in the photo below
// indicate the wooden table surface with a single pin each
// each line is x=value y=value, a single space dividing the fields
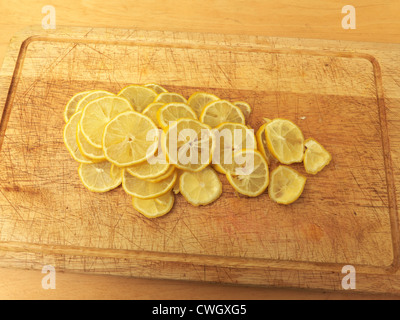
x=375 y=21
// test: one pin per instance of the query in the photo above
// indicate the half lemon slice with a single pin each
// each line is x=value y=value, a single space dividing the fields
x=315 y=157
x=285 y=141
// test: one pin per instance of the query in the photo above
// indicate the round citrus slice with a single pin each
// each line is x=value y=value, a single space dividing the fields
x=198 y=100
x=285 y=141
x=130 y=138
x=171 y=170
x=97 y=176
x=93 y=153
x=145 y=189
x=174 y=111
x=188 y=144
x=315 y=156
x=200 y=188
x=156 y=87
x=70 y=108
x=156 y=207
x=149 y=169
x=221 y=111
x=286 y=185
x=139 y=96
x=70 y=130
x=230 y=138
x=244 y=107
x=97 y=114
x=168 y=97
x=262 y=145
x=151 y=111
x=251 y=174
x=92 y=95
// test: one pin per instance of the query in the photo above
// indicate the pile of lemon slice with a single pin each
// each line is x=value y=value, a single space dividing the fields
x=157 y=144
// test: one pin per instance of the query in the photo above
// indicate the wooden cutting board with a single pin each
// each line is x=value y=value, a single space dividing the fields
x=344 y=94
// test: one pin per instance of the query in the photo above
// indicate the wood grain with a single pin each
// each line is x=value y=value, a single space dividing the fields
x=376 y=21
x=341 y=93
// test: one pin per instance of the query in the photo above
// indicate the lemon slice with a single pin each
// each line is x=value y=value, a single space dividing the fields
x=145 y=189
x=138 y=96
x=149 y=169
x=93 y=153
x=244 y=107
x=69 y=134
x=97 y=114
x=285 y=141
x=93 y=95
x=262 y=145
x=251 y=174
x=315 y=156
x=168 y=97
x=200 y=188
x=70 y=108
x=286 y=185
x=156 y=207
x=188 y=144
x=171 y=170
x=198 y=100
x=151 y=111
x=156 y=87
x=130 y=138
x=174 y=111
x=230 y=138
x=97 y=176
x=221 y=111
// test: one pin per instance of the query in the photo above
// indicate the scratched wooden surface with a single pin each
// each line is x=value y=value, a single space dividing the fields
x=343 y=94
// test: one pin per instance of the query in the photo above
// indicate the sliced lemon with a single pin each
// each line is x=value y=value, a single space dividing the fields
x=115 y=171
x=151 y=111
x=97 y=176
x=168 y=97
x=200 y=188
x=156 y=207
x=70 y=108
x=286 y=185
x=69 y=134
x=145 y=189
x=244 y=107
x=221 y=111
x=262 y=144
x=251 y=174
x=97 y=114
x=230 y=138
x=150 y=169
x=315 y=156
x=138 y=96
x=173 y=111
x=175 y=189
x=198 y=100
x=130 y=138
x=171 y=170
x=156 y=87
x=93 y=153
x=93 y=95
x=285 y=141
x=188 y=144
